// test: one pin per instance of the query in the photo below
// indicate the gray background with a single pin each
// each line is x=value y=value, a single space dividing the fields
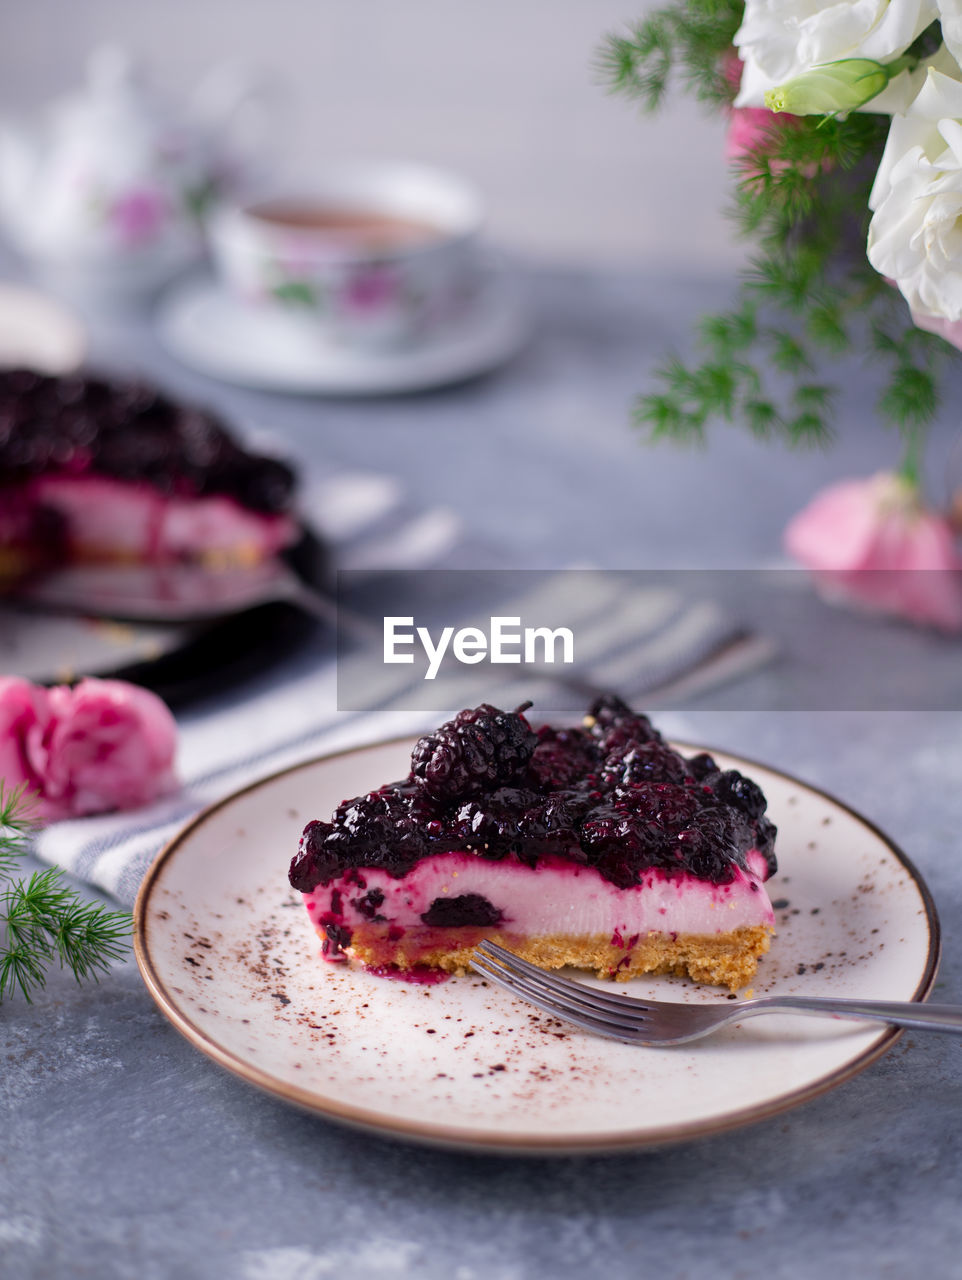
x=123 y=1152
x=503 y=91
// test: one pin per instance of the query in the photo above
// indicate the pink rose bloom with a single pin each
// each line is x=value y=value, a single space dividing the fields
x=99 y=746
x=873 y=543
x=24 y=720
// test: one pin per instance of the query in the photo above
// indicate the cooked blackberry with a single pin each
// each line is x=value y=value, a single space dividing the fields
x=643 y=763
x=702 y=766
x=524 y=821
x=479 y=750
x=389 y=825
x=491 y=826
x=703 y=857
x=618 y=844
x=368 y=903
x=563 y=756
x=387 y=828
x=607 y=711
x=312 y=864
x=466 y=909
x=740 y=792
x=668 y=805
x=26 y=525
x=550 y=827
x=615 y=726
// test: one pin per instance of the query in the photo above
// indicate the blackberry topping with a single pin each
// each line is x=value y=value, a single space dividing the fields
x=550 y=827
x=578 y=800
x=613 y=795
x=492 y=826
x=133 y=432
x=740 y=792
x=563 y=757
x=479 y=750
x=311 y=866
x=667 y=806
x=266 y=487
x=703 y=858
x=618 y=845
x=719 y=839
x=607 y=711
x=765 y=833
x=702 y=766
x=388 y=828
x=385 y=825
x=615 y=726
x=642 y=763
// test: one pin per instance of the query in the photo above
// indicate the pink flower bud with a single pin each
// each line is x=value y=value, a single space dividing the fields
x=873 y=543
x=99 y=746
x=950 y=330
x=751 y=129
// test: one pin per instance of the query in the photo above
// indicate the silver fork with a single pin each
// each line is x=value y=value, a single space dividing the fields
x=656 y=1022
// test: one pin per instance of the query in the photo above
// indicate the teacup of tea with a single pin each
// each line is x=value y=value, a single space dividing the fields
x=372 y=256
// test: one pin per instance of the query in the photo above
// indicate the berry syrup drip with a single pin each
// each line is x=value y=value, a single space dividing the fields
x=612 y=795
x=128 y=431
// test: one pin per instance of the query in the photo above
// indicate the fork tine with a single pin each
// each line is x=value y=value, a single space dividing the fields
x=570 y=1001
x=610 y=1000
x=571 y=994
x=518 y=986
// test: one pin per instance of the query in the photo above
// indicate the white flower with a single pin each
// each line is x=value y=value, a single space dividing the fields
x=781 y=39
x=950 y=16
x=915 y=237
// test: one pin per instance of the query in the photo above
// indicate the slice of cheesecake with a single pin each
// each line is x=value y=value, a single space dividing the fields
x=599 y=847
x=94 y=470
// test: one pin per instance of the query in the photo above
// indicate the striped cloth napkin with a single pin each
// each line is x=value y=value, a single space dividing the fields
x=648 y=640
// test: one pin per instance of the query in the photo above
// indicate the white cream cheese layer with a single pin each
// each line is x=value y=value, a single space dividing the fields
x=557 y=896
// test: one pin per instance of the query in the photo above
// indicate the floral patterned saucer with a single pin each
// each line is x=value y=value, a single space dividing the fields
x=204 y=325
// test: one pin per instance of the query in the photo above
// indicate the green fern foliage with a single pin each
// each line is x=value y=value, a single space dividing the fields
x=801 y=198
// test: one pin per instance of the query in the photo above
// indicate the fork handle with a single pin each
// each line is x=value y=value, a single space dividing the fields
x=904 y=1013
x=318 y=605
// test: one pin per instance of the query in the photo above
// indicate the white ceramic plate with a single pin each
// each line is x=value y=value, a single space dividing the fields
x=203 y=325
x=228 y=954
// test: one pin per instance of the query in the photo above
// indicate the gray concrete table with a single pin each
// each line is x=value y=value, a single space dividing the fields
x=127 y=1154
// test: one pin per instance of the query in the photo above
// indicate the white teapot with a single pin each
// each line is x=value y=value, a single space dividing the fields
x=108 y=193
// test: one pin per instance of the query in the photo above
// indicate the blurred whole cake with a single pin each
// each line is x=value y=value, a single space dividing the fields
x=95 y=470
